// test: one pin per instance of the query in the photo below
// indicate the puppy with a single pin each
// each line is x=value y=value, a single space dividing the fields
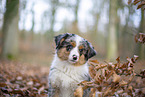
x=69 y=66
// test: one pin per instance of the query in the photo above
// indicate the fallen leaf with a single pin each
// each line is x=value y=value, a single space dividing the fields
x=30 y=83
x=41 y=89
x=79 y=92
x=116 y=78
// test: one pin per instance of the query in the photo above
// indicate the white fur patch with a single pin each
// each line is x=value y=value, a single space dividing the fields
x=75 y=51
x=66 y=76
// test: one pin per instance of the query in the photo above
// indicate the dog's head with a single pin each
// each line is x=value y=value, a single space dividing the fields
x=73 y=48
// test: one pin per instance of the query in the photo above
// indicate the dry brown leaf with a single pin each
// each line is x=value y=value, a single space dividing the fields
x=120 y=91
x=140 y=5
x=136 y=38
x=94 y=61
x=110 y=67
x=109 y=75
x=116 y=78
x=92 y=72
x=123 y=83
x=79 y=92
x=131 y=78
x=41 y=89
x=136 y=1
x=2 y=84
x=100 y=66
x=136 y=57
x=93 y=92
x=30 y=83
x=130 y=88
x=118 y=60
x=106 y=92
x=19 y=78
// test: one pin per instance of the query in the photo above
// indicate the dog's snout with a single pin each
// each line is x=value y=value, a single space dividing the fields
x=74 y=57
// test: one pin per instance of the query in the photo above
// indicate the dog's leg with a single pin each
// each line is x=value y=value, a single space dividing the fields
x=53 y=91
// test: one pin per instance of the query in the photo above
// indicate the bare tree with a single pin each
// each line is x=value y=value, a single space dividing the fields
x=112 y=33
x=75 y=22
x=54 y=5
x=33 y=21
x=10 y=29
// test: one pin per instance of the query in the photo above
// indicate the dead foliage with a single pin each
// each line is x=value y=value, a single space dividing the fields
x=139 y=3
x=107 y=79
x=23 y=80
x=114 y=79
x=140 y=38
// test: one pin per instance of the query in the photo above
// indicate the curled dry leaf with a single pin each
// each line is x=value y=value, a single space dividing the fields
x=136 y=57
x=79 y=92
x=2 y=84
x=136 y=1
x=107 y=91
x=140 y=5
x=30 y=83
x=131 y=78
x=116 y=78
x=92 y=72
x=41 y=89
x=142 y=73
x=123 y=83
x=141 y=36
x=94 y=61
x=100 y=66
x=130 y=88
x=110 y=67
x=118 y=60
x=93 y=92
x=19 y=78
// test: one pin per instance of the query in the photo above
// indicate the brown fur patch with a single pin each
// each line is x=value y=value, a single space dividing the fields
x=81 y=61
x=81 y=47
x=73 y=43
x=62 y=40
x=63 y=54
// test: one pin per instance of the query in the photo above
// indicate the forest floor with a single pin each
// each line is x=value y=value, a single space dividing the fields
x=17 y=79
x=28 y=76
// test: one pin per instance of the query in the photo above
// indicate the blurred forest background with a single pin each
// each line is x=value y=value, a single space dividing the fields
x=27 y=28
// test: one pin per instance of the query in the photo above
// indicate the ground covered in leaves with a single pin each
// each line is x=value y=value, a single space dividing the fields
x=18 y=79
x=30 y=80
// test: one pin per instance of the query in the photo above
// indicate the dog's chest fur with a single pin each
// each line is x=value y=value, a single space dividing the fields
x=65 y=77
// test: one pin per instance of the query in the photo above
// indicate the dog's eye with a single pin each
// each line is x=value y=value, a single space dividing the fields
x=69 y=47
x=81 y=50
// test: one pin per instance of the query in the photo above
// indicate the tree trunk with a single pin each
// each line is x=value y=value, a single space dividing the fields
x=75 y=22
x=112 y=34
x=54 y=6
x=140 y=48
x=52 y=21
x=10 y=29
x=33 y=23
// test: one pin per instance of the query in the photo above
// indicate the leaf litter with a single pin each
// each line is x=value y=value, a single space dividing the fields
x=23 y=80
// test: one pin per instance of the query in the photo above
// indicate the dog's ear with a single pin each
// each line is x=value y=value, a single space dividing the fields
x=91 y=51
x=60 y=38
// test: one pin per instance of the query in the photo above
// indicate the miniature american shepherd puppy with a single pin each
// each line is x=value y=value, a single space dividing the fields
x=69 y=66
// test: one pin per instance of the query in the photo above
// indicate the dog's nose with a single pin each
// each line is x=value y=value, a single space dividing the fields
x=74 y=57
